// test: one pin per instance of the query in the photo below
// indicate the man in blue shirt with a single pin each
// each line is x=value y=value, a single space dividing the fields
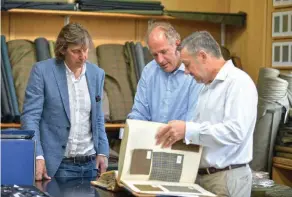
x=164 y=92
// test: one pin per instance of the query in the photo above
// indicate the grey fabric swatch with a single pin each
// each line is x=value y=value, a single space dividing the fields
x=166 y=166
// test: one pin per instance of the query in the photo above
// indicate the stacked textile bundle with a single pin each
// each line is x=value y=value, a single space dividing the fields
x=122 y=6
x=39 y=4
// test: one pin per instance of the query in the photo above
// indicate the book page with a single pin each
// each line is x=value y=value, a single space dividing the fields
x=163 y=188
x=142 y=160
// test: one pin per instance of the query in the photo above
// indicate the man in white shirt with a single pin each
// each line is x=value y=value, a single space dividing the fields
x=224 y=121
x=63 y=106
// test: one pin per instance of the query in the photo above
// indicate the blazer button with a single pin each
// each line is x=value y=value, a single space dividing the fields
x=64 y=146
x=68 y=128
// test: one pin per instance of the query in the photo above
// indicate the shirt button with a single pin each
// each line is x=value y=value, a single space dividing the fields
x=191 y=141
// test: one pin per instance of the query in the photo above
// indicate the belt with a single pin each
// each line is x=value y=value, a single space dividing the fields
x=212 y=170
x=80 y=159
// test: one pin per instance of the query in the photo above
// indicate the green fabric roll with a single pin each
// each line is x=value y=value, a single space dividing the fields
x=22 y=56
x=112 y=61
x=285 y=155
x=52 y=48
x=92 y=56
x=147 y=55
x=131 y=70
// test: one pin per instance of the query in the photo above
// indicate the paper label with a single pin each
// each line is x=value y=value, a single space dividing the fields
x=178 y=159
x=121 y=133
x=149 y=153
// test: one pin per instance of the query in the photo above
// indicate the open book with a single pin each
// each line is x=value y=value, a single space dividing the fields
x=147 y=169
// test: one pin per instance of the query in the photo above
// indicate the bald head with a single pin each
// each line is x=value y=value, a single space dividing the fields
x=159 y=28
x=162 y=42
x=157 y=35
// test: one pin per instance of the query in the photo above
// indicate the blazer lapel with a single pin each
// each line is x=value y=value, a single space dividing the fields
x=60 y=74
x=91 y=82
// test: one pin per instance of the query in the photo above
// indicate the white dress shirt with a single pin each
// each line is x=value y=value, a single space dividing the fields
x=80 y=140
x=225 y=119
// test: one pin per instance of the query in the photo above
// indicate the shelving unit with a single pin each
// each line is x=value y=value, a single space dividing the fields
x=108 y=28
x=107 y=125
x=82 y=13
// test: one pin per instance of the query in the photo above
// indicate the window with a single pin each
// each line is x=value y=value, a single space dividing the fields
x=282 y=2
x=282 y=24
x=282 y=54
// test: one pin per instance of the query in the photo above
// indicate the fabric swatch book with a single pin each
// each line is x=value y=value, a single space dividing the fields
x=147 y=169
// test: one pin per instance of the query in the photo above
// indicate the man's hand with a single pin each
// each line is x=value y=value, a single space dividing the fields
x=101 y=163
x=171 y=133
x=41 y=170
x=42 y=185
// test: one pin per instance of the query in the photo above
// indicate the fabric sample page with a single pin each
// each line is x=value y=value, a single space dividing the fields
x=180 y=145
x=147 y=168
x=172 y=188
x=166 y=167
x=158 y=188
x=147 y=188
x=141 y=161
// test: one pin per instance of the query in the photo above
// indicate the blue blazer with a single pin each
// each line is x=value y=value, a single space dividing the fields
x=46 y=110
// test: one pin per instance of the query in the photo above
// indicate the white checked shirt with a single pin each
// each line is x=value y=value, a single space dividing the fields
x=80 y=138
x=225 y=119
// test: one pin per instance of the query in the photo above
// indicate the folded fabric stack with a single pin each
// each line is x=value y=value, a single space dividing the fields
x=39 y=4
x=284 y=137
x=122 y=6
x=283 y=156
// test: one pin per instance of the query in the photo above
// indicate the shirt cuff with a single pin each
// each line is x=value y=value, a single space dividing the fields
x=102 y=155
x=192 y=135
x=40 y=157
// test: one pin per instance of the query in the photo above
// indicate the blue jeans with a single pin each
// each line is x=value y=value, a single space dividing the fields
x=74 y=170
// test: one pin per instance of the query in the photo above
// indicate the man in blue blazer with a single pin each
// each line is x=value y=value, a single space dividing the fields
x=63 y=106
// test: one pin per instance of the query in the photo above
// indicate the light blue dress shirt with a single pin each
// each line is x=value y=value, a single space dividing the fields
x=162 y=97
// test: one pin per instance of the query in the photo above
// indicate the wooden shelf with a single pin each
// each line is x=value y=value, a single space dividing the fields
x=282 y=67
x=9 y=125
x=237 y=19
x=83 y=13
x=107 y=125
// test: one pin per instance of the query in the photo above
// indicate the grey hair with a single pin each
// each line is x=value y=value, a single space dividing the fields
x=201 y=40
x=170 y=33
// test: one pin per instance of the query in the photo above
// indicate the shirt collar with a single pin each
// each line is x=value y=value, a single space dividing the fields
x=180 y=68
x=223 y=73
x=71 y=73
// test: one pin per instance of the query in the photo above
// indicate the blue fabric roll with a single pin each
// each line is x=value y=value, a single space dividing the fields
x=42 y=49
x=10 y=83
